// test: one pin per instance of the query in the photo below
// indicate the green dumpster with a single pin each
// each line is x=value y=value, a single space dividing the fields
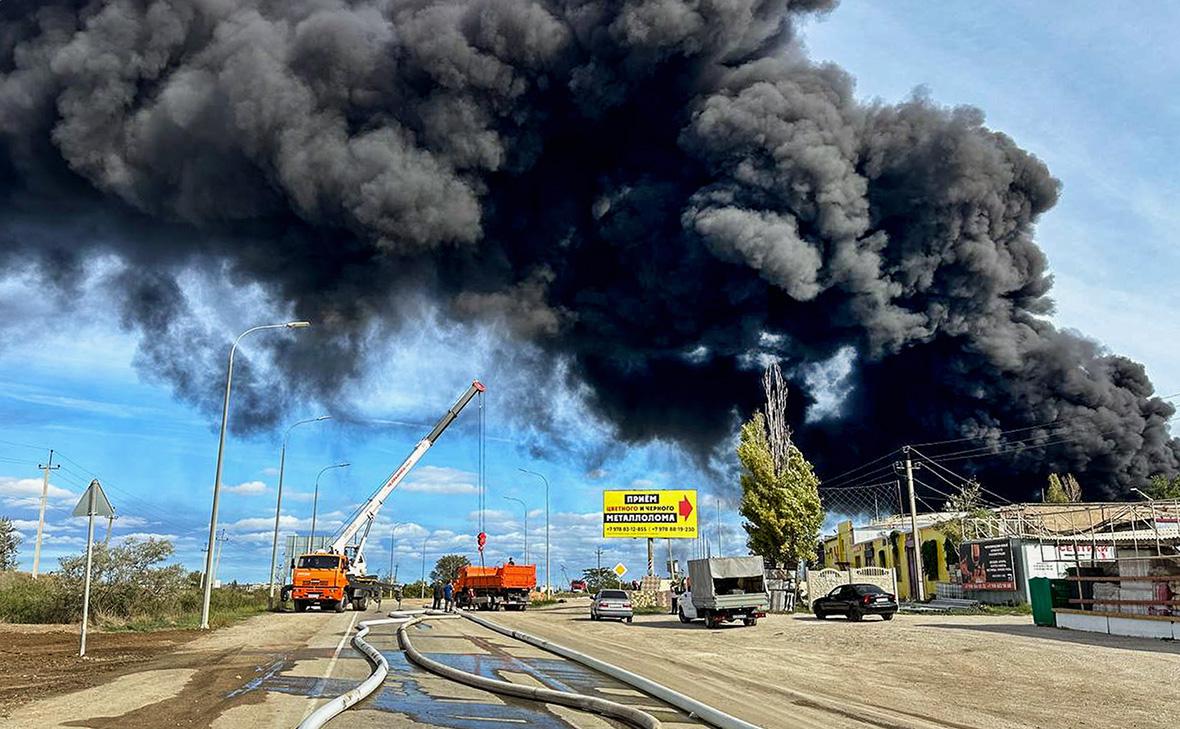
x=1041 y=596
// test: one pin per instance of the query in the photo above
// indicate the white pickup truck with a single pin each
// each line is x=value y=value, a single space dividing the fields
x=724 y=589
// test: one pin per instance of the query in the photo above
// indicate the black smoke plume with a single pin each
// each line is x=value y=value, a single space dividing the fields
x=662 y=193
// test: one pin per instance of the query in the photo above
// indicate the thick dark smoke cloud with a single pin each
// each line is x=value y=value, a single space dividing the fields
x=662 y=193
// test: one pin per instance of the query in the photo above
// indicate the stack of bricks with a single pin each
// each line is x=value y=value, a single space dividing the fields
x=650 y=594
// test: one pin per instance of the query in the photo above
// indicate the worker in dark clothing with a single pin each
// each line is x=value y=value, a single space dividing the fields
x=511 y=561
x=449 y=595
x=438 y=596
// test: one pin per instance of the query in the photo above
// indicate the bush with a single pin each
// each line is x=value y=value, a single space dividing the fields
x=24 y=599
x=127 y=591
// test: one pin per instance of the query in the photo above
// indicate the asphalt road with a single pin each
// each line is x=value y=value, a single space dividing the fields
x=273 y=670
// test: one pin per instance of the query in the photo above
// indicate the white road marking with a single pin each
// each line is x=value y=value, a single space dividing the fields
x=340 y=647
x=319 y=689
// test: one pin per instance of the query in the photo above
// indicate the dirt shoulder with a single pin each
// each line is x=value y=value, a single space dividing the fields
x=39 y=661
x=977 y=672
x=131 y=680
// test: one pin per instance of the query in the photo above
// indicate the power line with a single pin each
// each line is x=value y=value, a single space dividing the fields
x=863 y=465
x=962 y=479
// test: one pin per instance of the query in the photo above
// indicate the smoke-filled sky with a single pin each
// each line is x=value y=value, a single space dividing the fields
x=635 y=205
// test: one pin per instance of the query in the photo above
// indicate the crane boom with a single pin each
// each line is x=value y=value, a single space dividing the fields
x=370 y=509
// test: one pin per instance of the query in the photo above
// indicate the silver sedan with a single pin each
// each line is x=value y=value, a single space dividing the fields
x=611 y=604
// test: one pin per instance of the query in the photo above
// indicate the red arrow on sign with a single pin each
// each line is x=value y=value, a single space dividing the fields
x=685 y=507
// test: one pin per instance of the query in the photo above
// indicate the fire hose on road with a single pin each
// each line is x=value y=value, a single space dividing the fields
x=631 y=715
x=322 y=715
x=319 y=717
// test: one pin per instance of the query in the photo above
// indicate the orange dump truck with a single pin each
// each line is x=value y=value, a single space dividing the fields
x=490 y=588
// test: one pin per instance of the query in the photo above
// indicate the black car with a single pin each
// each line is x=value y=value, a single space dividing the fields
x=855 y=602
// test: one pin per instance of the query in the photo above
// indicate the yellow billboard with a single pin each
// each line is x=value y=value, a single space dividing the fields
x=668 y=514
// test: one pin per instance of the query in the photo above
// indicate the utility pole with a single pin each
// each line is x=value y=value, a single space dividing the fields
x=221 y=540
x=919 y=581
x=46 y=468
x=720 y=550
x=651 y=556
x=598 y=552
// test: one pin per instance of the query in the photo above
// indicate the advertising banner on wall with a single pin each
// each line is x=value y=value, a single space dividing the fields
x=987 y=565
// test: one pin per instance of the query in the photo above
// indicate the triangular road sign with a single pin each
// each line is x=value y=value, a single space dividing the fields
x=102 y=506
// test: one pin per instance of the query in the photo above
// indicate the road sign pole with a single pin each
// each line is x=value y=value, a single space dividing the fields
x=89 y=561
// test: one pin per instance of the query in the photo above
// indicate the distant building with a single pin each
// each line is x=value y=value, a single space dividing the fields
x=888 y=543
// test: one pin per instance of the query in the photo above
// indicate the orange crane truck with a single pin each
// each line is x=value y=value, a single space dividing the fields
x=336 y=576
x=490 y=588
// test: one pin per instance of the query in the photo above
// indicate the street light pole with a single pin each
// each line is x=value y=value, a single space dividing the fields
x=548 y=584
x=229 y=378
x=392 y=545
x=427 y=536
x=274 y=547
x=526 y=525
x=315 y=501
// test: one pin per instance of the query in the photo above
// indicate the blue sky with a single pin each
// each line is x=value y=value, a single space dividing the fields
x=1088 y=92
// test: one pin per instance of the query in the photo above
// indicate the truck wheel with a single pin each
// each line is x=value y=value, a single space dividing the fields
x=300 y=606
x=750 y=622
x=684 y=618
x=338 y=606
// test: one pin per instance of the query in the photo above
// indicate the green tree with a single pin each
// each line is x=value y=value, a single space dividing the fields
x=9 y=542
x=780 y=491
x=127 y=579
x=1055 y=493
x=446 y=569
x=1162 y=487
x=1063 y=489
x=600 y=578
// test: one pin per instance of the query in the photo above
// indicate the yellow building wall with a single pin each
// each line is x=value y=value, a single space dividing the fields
x=841 y=553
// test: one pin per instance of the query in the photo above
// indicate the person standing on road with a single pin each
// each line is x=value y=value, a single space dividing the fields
x=449 y=594
x=438 y=594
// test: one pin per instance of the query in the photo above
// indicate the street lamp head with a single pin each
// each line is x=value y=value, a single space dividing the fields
x=343 y=465
x=298 y=324
x=324 y=417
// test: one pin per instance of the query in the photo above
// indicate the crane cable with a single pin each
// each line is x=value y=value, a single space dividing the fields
x=482 y=487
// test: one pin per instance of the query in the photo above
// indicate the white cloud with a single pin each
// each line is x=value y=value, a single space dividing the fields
x=248 y=487
x=270 y=471
x=441 y=480
x=26 y=492
x=148 y=535
x=126 y=521
x=643 y=483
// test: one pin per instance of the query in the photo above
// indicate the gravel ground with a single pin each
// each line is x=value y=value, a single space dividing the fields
x=958 y=671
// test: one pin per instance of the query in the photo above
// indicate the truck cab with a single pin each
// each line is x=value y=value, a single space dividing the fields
x=320 y=579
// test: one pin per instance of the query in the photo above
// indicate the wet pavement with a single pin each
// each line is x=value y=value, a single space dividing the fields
x=413 y=697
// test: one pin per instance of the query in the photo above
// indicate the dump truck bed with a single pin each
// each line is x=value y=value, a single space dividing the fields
x=504 y=577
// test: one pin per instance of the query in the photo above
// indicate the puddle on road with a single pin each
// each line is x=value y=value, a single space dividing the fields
x=409 y=699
